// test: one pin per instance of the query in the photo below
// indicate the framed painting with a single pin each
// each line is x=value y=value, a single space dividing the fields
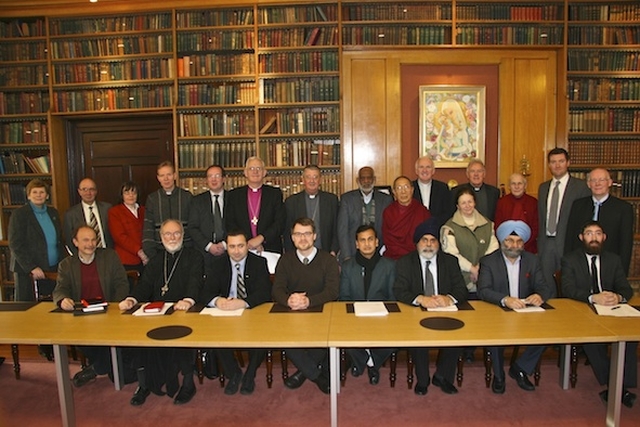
x=452 y=121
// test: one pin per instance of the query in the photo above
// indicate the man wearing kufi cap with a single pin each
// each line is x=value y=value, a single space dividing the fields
x=513 y=279
x=430 y=278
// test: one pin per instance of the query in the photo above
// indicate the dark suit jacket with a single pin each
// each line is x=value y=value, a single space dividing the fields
x=408 y=284
x=441 y=203
x=493 y=279
x=576 y=188
x=201 y=222
x=27 y=242
x=493 y=194
x=113 y=277
x=576 y=275
x=616 y=217
x=256 y=280
x=272 y=215
x=296 y=207
x=382 y=280
x=74 y=218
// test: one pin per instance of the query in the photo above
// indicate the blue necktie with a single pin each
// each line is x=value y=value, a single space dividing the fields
x=596 y=210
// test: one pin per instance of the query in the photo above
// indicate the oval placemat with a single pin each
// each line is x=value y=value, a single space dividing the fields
x=169 y=332
x=441 y=323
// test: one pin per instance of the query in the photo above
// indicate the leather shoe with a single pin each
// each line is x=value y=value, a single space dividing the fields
x=498 y=385
x=444 y=385
x=421 y=390
x=296 y=380
x=140 y=396
x=84 y=376
x=521 y=378
x=185 y=395
x=323 y=383
x=233 y=384
x=628 y=399
x=374 y=375
x=248 y=385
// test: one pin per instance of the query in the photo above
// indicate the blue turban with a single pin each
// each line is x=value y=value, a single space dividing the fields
x=429 y=226
x=513 y=227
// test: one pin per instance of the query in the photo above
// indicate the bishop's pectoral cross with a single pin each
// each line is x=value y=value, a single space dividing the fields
x=254 y=220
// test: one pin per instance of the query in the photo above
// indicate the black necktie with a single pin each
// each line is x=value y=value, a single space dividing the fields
x=429 y=287
x=217 y=220
x=595 y=289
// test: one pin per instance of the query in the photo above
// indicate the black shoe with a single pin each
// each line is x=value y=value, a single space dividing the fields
x=498 y=385
x=248 y=385
x=1 y=360
x=84 y=376
x=233 y=384
x=46 y=351
x=421 y=390
x=323 y=383
x=185 y=395
x=628 y=399
x=140 y=396
x=521 y=378
x=374 y=375
x=295 y=380
x=444 y=385
x=210 y=367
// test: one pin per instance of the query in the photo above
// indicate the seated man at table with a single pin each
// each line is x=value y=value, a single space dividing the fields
x=240 y=279
x=513 y=278
x=430 y=278
x=367 y=277
x=594 y=276
x=95 y=273
x=172 y=275
x=306 y=278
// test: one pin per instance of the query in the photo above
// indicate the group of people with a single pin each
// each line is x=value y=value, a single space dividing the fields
x=424 y=245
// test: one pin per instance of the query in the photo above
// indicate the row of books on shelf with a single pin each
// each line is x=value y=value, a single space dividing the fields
x=217 y=123
x=617 y=151
x=217 y=93
x=298 y=61
x=112 y=46
x=604 y=35
x=547 y=12
x=214 y=18
x=23 y=51
x=204 y=41
x=24 y=102
x=396 y=12
x=16 y=162
x=298 y=36
x=603 y=60
x=138 y=69
x=24 y=75
x=297 y=120
x=604 y=12
x=19 y=28
x=111 y=24
x=199 y=155
x=299 y=153
x=24 y=132
x=214 y=64
x=626 y=183
x=500 y=34
x=396 y=35
x=118 y=98
x=295 y=14
x=13 y=194
x=604 y=120
x=603 y=89
x=296 y=89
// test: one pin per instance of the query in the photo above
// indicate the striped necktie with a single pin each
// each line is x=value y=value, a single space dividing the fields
x=93 y=223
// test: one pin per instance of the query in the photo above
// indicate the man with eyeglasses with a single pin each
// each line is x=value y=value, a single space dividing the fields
x=594 y=275
x=306 y=279
x=400 y=219
x=91 y=212
x=175 y=275
x=257 y=209
x=614 y=215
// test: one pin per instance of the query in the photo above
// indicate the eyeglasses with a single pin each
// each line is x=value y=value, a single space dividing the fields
x=255 y=168
x=169 y=234
x=87 y=189
x=218 y=176
x=402 y=187
x=298 y=234
x=599 y=180
x=593 y=233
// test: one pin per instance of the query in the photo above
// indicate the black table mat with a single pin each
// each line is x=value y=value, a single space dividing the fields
x=441 y=323
x=277 y=308
x=17 y=306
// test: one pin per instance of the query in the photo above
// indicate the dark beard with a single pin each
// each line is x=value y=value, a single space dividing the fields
x=593 y=250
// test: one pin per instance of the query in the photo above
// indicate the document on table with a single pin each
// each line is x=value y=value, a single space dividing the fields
x=529 y=309
x=452 y=307
x=215 y=311
x=141 y=312
x=369 y=308
x=620 y=310
x=272 y=259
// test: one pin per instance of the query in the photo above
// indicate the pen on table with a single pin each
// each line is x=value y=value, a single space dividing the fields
x=615 y=308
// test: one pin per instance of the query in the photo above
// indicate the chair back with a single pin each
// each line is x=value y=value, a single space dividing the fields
x=557 y=277
x=39 y=293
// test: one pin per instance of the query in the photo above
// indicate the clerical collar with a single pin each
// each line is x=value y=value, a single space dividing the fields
x=311 y=196
x=601 y=201
x=255 y=190
x=477 y=188
x=87 y=261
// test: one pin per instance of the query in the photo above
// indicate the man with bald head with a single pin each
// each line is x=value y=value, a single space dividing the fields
x=614 y=215
x=433 y=194
x=520 y=206
x=363 y=206
x=486 y=195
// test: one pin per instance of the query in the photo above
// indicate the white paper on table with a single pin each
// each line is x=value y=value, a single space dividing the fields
x=620 y=310
x=141 y=312
x=451 y=307
x=369 y=308
x=272 y=259
x=529 y=309
x=215 y=311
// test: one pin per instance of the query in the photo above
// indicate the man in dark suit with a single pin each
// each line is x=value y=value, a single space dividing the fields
x=241 y=280
x=257 y=209
x=84 y=212
x=614 y=215
x=433 y=194
x=320 y=206
x=594 y=275
x=552 y=226
x=486 y=195
x=512 y=278
x=363 y=206
x=430 y=278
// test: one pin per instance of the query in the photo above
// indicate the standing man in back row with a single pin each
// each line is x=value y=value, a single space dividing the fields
x=486 y=195
x=433 y=194
x=90 y=212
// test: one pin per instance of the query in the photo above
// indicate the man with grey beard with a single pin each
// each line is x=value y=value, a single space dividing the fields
x=513 y=278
